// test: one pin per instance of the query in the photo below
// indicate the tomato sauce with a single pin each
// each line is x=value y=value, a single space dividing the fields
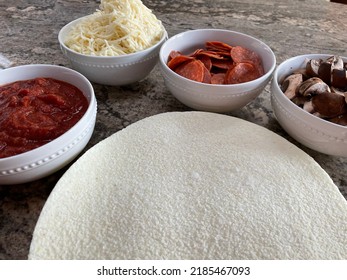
x=35 y=112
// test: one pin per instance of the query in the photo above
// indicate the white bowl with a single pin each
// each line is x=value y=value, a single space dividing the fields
x=211 y=97
x=111 y=70
x=316 y=133
x=45 y=160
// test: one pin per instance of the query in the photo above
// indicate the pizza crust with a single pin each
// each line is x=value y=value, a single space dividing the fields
x=193 y=185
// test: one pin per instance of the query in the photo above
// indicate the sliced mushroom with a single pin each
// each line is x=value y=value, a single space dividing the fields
x=339 y=91
x=337 y=62
x=326 y=67
x=291 y=84
x=341 y=120
x=303 y=72
x=339 y=78
x=308 y=106
x=299 y=100
x=329 y=105
x=312 y=87
x=312 y=67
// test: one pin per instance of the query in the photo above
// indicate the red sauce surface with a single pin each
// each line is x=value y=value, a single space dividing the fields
x=34 y=112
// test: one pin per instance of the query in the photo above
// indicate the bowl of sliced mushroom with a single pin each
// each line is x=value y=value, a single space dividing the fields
x=309 y=99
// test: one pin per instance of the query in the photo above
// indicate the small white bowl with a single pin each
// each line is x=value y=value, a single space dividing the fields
x=211 y=97
x=314 y=132
x=111 y=70
x=49 y=158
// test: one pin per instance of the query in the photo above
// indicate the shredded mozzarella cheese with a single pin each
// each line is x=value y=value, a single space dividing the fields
x=119 y=27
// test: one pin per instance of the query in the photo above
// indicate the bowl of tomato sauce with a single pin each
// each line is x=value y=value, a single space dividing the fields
x=47 y=116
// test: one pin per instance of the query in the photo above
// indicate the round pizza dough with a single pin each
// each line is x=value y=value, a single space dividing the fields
x=193 y=185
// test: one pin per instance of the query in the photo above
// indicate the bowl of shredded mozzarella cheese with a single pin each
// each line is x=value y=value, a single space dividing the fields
x=117 y=45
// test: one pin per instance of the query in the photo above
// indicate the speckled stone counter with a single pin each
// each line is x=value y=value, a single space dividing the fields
x=28 y=35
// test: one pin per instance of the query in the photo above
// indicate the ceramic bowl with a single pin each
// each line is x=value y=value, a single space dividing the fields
x=314 y=132
x=111 y=70
x=47 y=159
x=211 y=97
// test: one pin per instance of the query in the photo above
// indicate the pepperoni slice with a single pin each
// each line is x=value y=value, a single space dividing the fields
x=218 y=46
x=258 y=65
x=196 y=52
x=242 y=72
x=206 y=60
x=218 y=78
x=193 y=70
x=225 y=64
x=211 y=54
x=207 y=76
x=224 y=54
x=173 y=54
x=178 y=60
x=241 y=54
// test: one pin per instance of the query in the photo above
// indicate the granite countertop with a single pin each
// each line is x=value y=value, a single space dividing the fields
x=28 y=35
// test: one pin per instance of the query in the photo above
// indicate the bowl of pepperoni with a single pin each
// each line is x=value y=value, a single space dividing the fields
x=47 y=116
x=216 y=70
